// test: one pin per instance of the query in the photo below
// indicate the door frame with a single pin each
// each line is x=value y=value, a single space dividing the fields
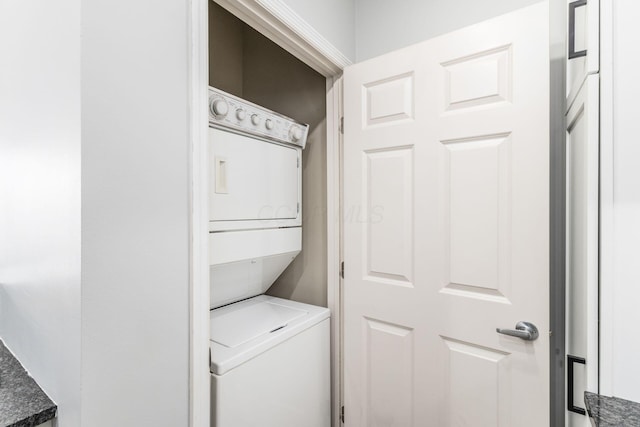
x=557 y=69
x=199 y=295
x=278 y=22
x=607 y=224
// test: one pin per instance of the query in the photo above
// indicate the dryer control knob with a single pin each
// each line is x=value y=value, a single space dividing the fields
x=241 y=114
x=219 y=107
x=268 y=124
x=295 y=133
x=255 y=119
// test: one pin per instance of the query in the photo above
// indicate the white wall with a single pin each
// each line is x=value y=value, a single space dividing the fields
x=334 y=19
x=135 y=213
x=626 y=180
x=40 y=194
x=385 y=25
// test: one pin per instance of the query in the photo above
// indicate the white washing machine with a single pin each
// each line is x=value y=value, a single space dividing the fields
x=270 y=362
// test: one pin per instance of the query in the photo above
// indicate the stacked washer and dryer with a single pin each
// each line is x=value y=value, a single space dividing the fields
x=269 y=356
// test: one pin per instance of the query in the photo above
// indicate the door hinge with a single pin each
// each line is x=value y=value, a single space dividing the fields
x=342 y=414
x=298 y=208
x=342 y=269
x=341 y=127
x=298 y=162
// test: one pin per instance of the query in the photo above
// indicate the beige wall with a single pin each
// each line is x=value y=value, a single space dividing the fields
x=225 y=50
x=273 y=78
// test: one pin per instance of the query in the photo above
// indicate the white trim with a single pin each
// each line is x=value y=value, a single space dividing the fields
x=199 y=375
x=607 y=230
x=334 y=242
x=277 y=21
x=593 y=217
x=281 y=11
x=593 y=37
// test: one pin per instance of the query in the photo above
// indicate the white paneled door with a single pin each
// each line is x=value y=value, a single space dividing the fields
x=446 y=229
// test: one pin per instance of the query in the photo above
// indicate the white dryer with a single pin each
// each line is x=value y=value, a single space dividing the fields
x=269 y=356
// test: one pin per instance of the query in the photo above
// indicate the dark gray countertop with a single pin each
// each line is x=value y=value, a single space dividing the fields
x=612 y=411
x=22 y=401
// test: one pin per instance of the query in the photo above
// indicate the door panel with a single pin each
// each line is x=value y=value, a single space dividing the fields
x=582 y=244
x=475 y=186
x=468 y=367
x=446 y=226
x=389 y=100
x=482 y=78
x=389 y=239
x=390 y=392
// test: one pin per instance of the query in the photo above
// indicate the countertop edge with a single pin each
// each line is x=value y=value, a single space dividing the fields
x=37 y=419
x=23 y=403
x=605 y=411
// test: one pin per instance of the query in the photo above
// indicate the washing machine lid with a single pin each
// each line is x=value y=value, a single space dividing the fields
x=244 y=330
x=239 y=326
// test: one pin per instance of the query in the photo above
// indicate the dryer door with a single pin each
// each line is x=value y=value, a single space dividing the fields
x=253 y=183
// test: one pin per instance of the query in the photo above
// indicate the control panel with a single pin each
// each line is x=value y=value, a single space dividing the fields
x=229 y=111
